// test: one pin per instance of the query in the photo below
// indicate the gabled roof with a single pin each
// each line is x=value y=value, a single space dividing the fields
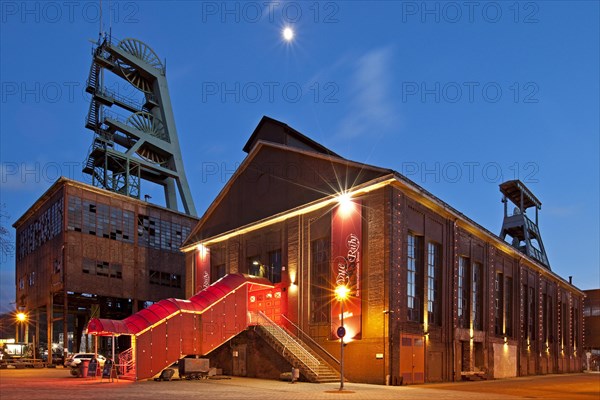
x=262 y=151
x=272 y=130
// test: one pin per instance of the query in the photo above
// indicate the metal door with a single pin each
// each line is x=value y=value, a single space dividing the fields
x=239 y=360
x=412 y=359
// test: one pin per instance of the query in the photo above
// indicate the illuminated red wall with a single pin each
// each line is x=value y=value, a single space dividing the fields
x=346 y=249
x=272 y=302
x=202 y=273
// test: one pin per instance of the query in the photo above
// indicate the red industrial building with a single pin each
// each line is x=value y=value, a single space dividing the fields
x=86 y=252
x=433 y=296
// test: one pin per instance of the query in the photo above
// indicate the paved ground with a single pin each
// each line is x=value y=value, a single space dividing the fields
x=571 y=387
x=51 y=384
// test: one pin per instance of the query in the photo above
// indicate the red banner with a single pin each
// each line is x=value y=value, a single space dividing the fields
x=202 y=271
x=346 y=238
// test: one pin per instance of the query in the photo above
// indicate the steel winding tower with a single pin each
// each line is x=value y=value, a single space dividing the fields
x=143 y=145
x=523 y=231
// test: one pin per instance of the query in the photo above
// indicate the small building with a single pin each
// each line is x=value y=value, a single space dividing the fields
x=434 y=296
x=85 y=252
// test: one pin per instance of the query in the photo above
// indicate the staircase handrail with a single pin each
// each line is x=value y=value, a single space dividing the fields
x=335 y=360
x=290 y=338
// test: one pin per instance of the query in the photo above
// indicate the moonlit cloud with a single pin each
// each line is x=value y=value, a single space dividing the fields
x=371 y=107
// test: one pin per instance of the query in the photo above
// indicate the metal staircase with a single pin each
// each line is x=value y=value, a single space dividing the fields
x=313 y=367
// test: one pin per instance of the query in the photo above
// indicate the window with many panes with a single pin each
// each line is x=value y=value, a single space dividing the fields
x=574 y=322
x=167 y=279
x=274 y=267
x=102 y=268
x=100 y=220
x=433 y=284
x=508 y=306
x=477 y=309
x=549 y=327
x=499 y=304
x=320 y=281
x=39 y=231
x=414 y=274
x=160 y=234
x=564 y=326
x=463 y=292
x=531 y=314
x=255 y=267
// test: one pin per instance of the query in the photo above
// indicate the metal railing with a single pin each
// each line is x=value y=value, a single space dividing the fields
x=288 y=342
x=301 y=334
x=127 y=362
x=131 y=102
x=104 y=113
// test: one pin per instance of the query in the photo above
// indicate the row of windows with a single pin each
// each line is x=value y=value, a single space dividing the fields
x=100 y=220
x=165 y=279
x=44 y=228
x=105 y=221
x=470 y=297
x=102 y=268
x=160 y=234
x=470 y=294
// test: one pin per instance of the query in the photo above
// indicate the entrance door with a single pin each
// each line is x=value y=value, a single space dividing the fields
x=412 y=359
x=239 y=360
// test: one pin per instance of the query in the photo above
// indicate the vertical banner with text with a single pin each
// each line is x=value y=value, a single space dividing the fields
x=202 y=272
x=346 y=237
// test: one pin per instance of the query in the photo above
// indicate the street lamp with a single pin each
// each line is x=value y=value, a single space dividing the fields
x=341 y=294
x=21 y=319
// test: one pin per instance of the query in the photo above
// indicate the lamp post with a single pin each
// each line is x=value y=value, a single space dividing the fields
x=341 y=294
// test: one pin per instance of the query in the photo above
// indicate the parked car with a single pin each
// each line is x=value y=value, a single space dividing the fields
x=75 y=359
x=57 y=357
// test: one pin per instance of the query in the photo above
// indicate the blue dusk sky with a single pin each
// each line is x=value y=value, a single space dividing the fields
x=458 y=96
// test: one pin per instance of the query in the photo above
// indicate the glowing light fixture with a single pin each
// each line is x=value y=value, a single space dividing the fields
x=345 y=203
x=21 y=317
x=202 y=249
x=341 y=292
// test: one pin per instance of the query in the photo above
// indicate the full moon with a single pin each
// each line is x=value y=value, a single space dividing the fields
x=288 y=34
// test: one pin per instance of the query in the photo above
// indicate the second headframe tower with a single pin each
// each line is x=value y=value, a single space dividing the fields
x=524 y=231
x=134 y=139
